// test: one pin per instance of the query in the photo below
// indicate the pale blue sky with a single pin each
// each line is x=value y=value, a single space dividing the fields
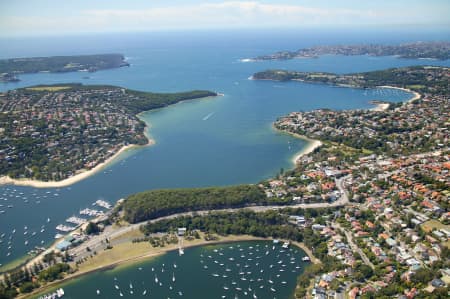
x=36 y=17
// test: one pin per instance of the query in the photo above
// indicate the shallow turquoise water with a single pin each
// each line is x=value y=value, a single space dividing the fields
x=209 y=142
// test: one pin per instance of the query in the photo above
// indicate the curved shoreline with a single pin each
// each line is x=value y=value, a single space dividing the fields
x=415 y=93
x=159 y=252
x=5 y=180
x=311 y=144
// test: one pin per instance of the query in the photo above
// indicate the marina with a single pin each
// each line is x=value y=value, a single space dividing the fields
x=234 y=270
x=59 y=293
x=103 y=204
x=76 y=220
x=34 y=237
x=245 y=142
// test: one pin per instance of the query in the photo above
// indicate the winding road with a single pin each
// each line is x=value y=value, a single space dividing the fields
x=97 y=242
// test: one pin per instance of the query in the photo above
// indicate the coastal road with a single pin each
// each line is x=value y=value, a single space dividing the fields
x=97 y=242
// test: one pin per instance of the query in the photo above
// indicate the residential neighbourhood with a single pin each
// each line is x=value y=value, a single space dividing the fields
x=397 y=225
x=50 y=135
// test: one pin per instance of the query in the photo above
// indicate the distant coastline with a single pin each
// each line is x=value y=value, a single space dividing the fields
x=415 y=50
x=10 y=68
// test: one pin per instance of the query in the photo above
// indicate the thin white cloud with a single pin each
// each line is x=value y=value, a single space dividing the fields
x=226 y=14
x=220 y=14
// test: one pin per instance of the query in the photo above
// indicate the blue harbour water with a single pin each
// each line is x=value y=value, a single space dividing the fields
x=208 y=142
x=256 y=269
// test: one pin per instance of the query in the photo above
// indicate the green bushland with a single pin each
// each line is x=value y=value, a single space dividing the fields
x=158 y=203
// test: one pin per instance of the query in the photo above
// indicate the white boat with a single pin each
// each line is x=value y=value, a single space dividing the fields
x=144 y=292
x=60 y=292
x=98 y=292
x=306 y=259
x=57 y=294
x=173 y=277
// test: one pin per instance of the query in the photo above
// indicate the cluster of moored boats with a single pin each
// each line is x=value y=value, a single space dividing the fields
x=244 y=269
x=158 y=282
x=56 y=294
x=8 y=199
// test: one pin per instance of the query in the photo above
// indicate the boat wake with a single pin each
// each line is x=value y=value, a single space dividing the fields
x=208 y=116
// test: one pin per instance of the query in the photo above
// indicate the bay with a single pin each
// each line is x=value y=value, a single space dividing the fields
x=254 y=269
x=208 y=142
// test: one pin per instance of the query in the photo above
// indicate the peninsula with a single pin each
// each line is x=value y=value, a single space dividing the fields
x=371 y=203
x=422 y=79
x=421 y=50
x=9 y=68
x=51 y=133
x=396 y=163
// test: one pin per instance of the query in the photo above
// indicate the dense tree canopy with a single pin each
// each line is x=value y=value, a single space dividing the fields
x=157 y=203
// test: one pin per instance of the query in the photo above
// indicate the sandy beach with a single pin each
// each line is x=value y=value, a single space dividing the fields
x=310 y=147
x=83 y=174
x=415 y=97
x=4 y=180
x=147 y=252
x=385 y=106
x=380 y=107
